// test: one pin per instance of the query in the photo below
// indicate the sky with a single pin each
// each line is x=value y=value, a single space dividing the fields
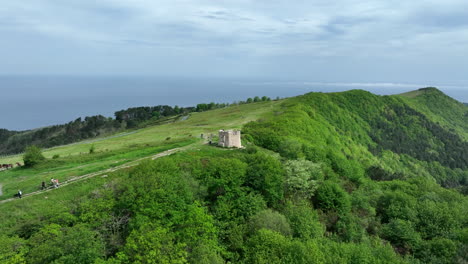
x=337 y=41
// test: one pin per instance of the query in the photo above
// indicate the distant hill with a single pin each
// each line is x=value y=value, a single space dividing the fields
x=439 y=108
x=426 y=125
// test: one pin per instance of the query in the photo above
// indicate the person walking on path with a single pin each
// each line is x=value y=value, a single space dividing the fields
x=43 y=186
x=20 y=194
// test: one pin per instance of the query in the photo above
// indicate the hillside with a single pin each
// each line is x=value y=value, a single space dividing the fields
x=91 y=127
x=347 y=177
x=440 y=108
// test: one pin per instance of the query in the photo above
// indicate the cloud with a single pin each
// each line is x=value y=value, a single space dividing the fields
x=240 y=32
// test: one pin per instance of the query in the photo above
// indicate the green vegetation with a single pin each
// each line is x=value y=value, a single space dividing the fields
x=325 y=178
x=70 y=167
x=32 y=156
x=90 y=127
x=440 y=108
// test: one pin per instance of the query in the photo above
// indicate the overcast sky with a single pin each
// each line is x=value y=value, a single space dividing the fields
x=332 y=41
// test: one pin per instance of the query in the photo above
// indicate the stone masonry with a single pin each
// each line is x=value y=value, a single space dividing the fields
x=230 y=139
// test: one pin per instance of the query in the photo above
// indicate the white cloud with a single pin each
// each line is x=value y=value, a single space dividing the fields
x=239 y=32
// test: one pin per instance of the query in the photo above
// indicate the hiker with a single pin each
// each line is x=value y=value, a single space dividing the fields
x=56 y=183
x=43 y=186
x=52 y=181
x=20 y=194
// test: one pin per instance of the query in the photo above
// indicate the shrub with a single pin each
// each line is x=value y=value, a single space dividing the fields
x=302 y=177
x=92 y=149
x=402 y=235
x=304 y=220
x=330 y=196
x=32 y=156
x=271 y=220
x=265 y=175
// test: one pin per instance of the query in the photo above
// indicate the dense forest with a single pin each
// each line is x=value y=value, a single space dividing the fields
x=12 y=142
x=346 y=177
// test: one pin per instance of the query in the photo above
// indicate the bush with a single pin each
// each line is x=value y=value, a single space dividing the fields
x=304 y=220
x=302 y=177
x=265 y=175
x=271 y=220
x=32 y=156
x=92 y=149
x=439 y=250
x=402 y=235
x=330 y=196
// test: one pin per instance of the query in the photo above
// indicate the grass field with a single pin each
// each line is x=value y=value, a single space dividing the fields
x=75 y=159
x=197 y=123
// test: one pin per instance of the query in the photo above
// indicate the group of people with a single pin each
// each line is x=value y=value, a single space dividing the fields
x=53 y=182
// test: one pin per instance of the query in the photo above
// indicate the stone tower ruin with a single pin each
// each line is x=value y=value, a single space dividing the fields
x=230 y=139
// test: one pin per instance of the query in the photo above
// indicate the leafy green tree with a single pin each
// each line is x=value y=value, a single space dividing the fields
x=370 y=252
x=224 y=177
x=68 y=245
x=153 y=244
x=436 y=219
x=265 y=174
x=271 y=220
x=330 y=196
x=291 y=149
x=402 y=235
x=302 y=177
x=32 y=156
x=396 y=204
x=438 y=250
x=12 y=250
x=267 y=246
x=303 y=220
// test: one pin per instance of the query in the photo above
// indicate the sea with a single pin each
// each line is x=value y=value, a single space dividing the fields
x=28 y=102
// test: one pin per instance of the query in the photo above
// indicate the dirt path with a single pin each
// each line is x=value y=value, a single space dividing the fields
x=90 y=175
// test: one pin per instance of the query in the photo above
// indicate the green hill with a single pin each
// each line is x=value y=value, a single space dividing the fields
x=347 y=177
x=440 y=108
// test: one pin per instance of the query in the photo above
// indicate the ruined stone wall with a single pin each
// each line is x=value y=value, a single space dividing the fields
x=230 y=139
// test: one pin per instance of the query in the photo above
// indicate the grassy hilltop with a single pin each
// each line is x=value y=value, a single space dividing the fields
x=440 y=108
x=347 y=177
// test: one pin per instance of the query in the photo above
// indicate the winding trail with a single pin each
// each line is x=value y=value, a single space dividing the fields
x=93 y=174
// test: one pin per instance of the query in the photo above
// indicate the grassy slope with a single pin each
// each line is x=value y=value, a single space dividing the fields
x=29 y=180
x=347 y=126
x=197 y=123
x=114 y=151
x=439 y=108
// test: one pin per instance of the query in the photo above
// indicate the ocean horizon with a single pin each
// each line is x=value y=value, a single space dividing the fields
x=37 y=101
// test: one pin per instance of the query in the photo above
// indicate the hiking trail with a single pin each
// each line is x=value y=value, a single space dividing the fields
x=93 y=174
